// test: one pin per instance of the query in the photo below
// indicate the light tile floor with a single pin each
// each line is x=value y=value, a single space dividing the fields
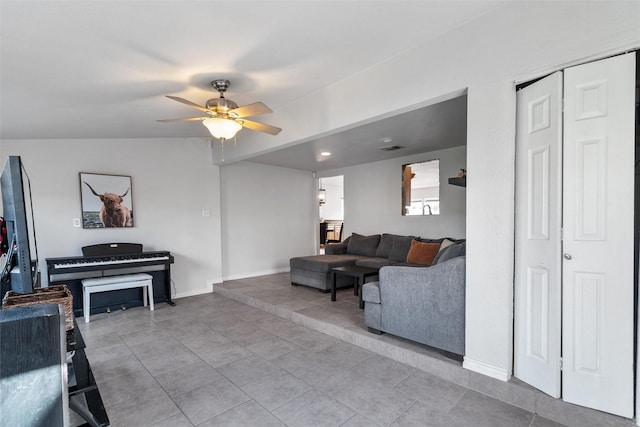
x=215 y=361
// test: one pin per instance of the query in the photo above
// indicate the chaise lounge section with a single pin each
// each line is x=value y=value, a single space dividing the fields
x=315 y=270
x=423 y=304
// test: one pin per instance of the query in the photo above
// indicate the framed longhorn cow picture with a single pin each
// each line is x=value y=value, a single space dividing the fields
x=106 y=200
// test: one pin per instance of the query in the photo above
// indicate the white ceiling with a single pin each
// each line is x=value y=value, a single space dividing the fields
x=101 y=69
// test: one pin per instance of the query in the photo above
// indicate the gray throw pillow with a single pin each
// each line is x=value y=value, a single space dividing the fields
x=384 y=247
x=400 y=248
x=363 y=245
x=446 y=242
x=452 y=251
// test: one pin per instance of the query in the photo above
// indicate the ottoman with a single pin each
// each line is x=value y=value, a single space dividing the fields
x=315 y=270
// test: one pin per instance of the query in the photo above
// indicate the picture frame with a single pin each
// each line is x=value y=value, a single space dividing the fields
x=106 y=200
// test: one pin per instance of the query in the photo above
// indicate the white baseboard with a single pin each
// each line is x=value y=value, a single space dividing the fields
x=255 y=274
x=486 y=369
x=200 y=291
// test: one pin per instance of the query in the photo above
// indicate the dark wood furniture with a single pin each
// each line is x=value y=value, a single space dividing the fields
x=84 y=397
x=338 y=231
x=323 y=233
x=359 y=275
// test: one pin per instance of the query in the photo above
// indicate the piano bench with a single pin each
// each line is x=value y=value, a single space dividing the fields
x=113 y=283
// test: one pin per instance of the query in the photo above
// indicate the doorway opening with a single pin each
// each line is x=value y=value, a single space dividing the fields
x=331 y=210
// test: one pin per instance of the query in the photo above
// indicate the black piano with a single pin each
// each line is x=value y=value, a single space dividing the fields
x=109 y=259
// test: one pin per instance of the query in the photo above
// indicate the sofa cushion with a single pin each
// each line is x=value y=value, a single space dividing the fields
x=422 y=253
x=451 y=251
x=374 y=262
x=322 y=263
x=363 y=245
x=337 y=248
x=400 y=248
x=423 y=240
x=384 y=247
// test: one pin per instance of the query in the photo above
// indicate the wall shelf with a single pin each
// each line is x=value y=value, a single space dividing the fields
x=462 y=182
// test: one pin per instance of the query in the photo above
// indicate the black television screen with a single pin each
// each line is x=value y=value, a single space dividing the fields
x=19 y=270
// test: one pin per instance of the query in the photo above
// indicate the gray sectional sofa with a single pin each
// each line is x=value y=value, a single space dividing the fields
x=376 y=251
x=421 y=303
x=368 y=251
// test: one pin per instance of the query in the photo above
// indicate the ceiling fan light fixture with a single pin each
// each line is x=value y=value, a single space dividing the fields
x=223 y=116
x=222 y=128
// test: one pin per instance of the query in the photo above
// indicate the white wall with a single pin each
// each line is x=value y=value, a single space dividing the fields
x=519 y=41
x=373 y=197
x=268 y=213
x=173 y=182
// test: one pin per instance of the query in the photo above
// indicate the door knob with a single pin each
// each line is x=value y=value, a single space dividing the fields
x=567 y=256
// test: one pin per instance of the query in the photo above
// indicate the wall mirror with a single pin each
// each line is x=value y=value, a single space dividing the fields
x=421 y=188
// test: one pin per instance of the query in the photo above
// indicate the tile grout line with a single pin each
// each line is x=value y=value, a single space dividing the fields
x=383 y=349
x=510 y=393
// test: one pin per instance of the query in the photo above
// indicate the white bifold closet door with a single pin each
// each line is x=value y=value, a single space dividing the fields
x=574 y=235
x=538 y=265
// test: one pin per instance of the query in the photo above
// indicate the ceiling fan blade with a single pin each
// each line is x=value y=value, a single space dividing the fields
x=189 y=103
x=260 y=127
x=186 y=119
x=250 y=110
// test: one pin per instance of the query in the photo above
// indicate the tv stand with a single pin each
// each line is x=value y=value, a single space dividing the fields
x=44 y=370
x=84 y=396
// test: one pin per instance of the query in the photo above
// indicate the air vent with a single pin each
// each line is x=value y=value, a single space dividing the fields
x=391 y=147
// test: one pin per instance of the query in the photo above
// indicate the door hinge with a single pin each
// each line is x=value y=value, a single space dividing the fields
x=560 y=363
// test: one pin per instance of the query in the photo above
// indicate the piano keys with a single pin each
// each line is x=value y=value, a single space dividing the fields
x=71 y=270
x=91 y=263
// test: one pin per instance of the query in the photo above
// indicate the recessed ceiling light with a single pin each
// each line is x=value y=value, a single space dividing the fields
x=385 y=140
x=325 y=153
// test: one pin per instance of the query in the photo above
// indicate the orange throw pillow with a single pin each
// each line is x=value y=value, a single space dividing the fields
x=422 y=253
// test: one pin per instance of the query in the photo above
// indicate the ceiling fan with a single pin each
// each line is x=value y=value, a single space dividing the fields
x=224 y=118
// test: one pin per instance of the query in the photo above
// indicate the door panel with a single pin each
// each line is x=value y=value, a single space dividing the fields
x=538 y=251
x=537 y=327
x=589 y=221
x=598 y=212
x=588 y=303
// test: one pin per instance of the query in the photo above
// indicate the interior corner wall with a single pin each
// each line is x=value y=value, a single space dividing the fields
x=173 y=182
x=268 y=213
x=373 y=197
